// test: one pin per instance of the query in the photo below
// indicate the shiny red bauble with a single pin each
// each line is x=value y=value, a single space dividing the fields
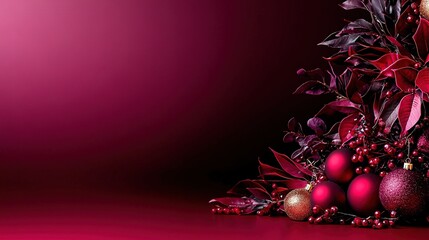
x=362 y=194
x=403 y=191
x=328 y=194
x=339 y=166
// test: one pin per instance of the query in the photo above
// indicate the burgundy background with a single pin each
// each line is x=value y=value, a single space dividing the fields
x=103 y=95
x=120 y=119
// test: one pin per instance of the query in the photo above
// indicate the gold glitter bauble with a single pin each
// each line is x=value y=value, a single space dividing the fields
x=298 y=204
x=424 y=9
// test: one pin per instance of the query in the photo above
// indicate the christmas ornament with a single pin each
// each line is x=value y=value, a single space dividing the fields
x=424 y=8
x=339 y=166
x=327 y=194
x=362 y=194
x=297 y=204
x=403 y=190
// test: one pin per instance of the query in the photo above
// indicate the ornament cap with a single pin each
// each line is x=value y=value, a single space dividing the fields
x=309 y=187
x=408 y=166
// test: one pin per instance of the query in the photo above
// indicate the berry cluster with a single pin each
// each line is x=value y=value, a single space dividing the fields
x=376 y=221
x=226 y=211
x=413 y=16
x=321 y=215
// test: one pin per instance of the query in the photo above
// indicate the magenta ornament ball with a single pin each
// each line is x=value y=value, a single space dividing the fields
x=339 y=166
x=403 y=191
x=327 y=194
x=362 y=194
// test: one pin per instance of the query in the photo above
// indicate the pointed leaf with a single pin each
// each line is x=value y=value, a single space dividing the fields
x=405 y=78
x=343 y=106
x=348 y=126
x=291 y=167
x=266 y=170
x=421 y=39
x=385 y=61
x=317 y=125
x=259 y=193
x=422 y=80
x=409 y=111
x=389 y=70
x=352 y=4
x=296 y=183
x=312 y=88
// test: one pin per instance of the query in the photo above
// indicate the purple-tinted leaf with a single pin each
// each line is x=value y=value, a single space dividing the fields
x=269 y=171
x=358 y=26
x=422 y=80
x=348 y=126
x=409 y=111
x=421 y=38
x=259 y=193
x=342 y=42
x=378 y=8
x=390 y=111
x=352 y=4
x=317 y=125
x=405 y=78
x=289 y=137
x=312 y=88
x=291 y=167
x=296 y=183
x=343 y=106
x=314 y=75
x=291 y=125
x=307 y=140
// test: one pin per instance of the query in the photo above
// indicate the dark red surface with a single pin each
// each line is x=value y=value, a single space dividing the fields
x=131 y=217
x=121 y=119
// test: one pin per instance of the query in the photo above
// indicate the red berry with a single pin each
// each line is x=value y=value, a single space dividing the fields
x=377 y=214
x=373 y=146
x=367 y=170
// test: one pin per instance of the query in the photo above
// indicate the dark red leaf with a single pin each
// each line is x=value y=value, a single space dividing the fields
x=400 y=47
x=352 y=4
x=421 y=38
x=266 y=170
x=385 y=61
x=376 y=106
x=259 y=193
x=343 y=106
x=312 y=88
x=422 y=80
x=402 y=26
x=342 y=42
x=409 y=111
x=389 y=70
x=405 y=78
x=289 y=137
x=315 y=74
x=291 y=167
x=348 y=126
x=317 y=125
x=295 y=183
x=390 y=111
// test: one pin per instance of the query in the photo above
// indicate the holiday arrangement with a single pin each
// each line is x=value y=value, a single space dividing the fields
x=366 y=160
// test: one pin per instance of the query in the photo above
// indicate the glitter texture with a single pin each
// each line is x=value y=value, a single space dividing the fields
x=298 y=204
x=403 y=191
x=424 y=8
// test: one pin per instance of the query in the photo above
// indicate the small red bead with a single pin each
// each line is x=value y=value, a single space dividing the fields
x=364 y=222
x=400 y=155
x=334 y=210
x=392 y=214
x=359 y=170
x=382 y=174
x=410 y=19
x=311 y=219
x=391 y=223
x=420 y=159
x=389 y=94
x=367 y=170
x=374 y=146
x=376 y=160
x=415 y=153
x=414 y=5
x=226 y=211
x=377 y=214
x=417 y=65
x=316 y=209
x=214 y=210
x=391 y=165
x=352 y=144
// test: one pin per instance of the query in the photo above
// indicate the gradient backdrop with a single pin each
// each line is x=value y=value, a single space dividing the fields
x=147 y=98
